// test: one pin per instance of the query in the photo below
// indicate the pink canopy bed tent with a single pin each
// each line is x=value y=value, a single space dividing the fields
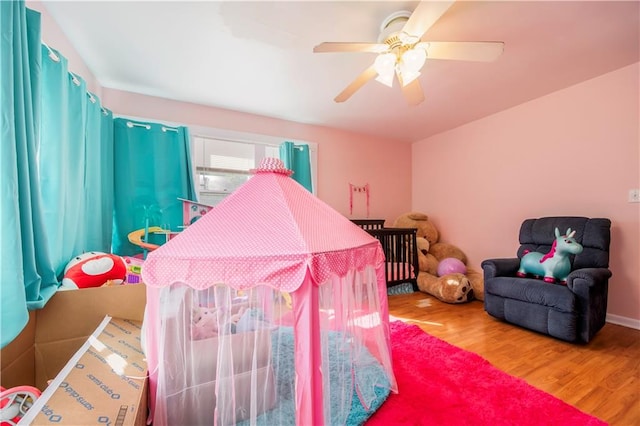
x=270 y=309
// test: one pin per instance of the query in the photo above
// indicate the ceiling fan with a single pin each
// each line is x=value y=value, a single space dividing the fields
x=402 y=50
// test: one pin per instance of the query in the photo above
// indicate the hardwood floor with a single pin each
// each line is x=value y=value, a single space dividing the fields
x=601 y=378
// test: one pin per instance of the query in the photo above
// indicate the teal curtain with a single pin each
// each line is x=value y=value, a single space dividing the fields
x=76 y=164
x=61 y=156
x=98 y=177
x=107 y=172
x=56 y=171
x=27 y=275
x=153 y=170
x=296 y=158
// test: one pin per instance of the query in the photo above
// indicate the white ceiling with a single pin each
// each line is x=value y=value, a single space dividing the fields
x=257 y=57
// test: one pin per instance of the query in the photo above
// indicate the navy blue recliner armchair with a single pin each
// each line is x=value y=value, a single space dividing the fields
x=574 y=312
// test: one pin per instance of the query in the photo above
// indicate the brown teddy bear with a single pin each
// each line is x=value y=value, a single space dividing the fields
x=450 y=287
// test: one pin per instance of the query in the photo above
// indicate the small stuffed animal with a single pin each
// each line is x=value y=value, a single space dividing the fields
x=93 y=269
x=205 y=324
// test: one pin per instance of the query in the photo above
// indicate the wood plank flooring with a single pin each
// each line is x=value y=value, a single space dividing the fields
x=601 y=378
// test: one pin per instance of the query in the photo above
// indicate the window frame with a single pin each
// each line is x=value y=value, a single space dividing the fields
x=252 y=139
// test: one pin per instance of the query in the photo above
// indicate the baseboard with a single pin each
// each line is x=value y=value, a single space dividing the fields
x=623 y=321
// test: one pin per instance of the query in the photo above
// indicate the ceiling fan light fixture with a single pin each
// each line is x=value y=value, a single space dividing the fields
x=386 y=79
x=413 y=60
x=385 y=63
x=408 y=76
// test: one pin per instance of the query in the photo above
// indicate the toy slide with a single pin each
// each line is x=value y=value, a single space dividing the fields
x=135 y=237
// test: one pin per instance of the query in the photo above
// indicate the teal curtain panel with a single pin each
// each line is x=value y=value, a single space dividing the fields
x=98 y=176
x=296 y=158
x=27 y=275
x=153 y=170
x=56 y=172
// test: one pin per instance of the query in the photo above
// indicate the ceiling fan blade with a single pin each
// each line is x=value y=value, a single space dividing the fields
x=412 y=92
x=481 y=51
x=350 y=47
x=425 y=15
x=356 y=84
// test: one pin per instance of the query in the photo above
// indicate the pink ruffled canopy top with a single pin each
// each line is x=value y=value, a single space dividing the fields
x=270 y=231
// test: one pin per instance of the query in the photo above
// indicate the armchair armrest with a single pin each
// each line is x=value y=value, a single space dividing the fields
x=500 y=267
x=581 y=280
x=590 y=285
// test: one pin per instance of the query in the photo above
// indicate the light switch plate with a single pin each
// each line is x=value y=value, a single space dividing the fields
x=634 y=195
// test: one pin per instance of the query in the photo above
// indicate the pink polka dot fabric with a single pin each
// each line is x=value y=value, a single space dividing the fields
x=269 y=231
x=272 y=165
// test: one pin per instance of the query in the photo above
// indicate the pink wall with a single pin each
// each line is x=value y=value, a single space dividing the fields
x=343 y=157
x=573 y=152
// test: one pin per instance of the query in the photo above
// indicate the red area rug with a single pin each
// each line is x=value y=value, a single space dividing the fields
x=440 y=384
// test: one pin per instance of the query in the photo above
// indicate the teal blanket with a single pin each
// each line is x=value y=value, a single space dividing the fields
x=364 y=377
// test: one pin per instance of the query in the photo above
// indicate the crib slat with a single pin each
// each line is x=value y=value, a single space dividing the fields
x=400 y=250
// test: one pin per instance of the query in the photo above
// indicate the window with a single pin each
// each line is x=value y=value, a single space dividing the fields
x=221 y=166
x=223 y=159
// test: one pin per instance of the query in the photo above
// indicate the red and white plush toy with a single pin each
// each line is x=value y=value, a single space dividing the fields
x=94 y=269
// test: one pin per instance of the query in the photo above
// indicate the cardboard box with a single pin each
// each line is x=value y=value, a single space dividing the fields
x=56 y=333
